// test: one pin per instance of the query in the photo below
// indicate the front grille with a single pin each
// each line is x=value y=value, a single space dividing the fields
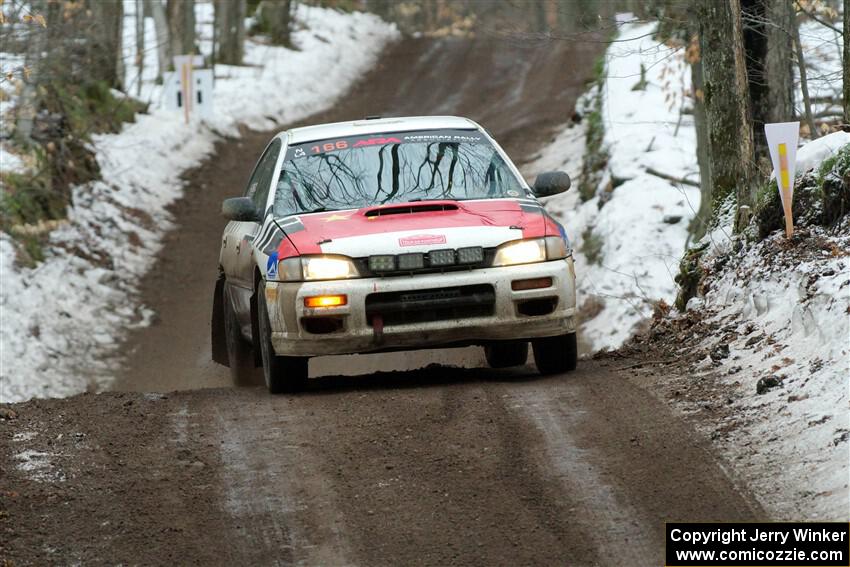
x=426 y=305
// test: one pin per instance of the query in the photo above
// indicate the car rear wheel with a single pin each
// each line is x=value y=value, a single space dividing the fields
x=282 y=373
x=239 y=355
x=554 y=355
x=506 y=354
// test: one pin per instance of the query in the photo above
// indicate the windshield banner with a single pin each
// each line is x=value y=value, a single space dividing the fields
x=318 y=147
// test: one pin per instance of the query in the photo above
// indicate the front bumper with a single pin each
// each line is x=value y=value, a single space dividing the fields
x=355 y=334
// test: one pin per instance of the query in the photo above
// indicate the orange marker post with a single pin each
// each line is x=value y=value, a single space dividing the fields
x=186 y=87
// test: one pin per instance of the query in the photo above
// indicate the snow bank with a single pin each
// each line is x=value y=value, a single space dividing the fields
x=639 y=220
x=60 y=322
x=785 y=317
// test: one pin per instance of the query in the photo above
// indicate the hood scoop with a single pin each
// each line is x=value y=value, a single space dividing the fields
x=410 y=208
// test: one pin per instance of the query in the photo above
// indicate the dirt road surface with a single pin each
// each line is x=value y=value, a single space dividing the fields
x=435 y=466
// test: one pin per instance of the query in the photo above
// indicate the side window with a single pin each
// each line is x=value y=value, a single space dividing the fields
x=258 y=185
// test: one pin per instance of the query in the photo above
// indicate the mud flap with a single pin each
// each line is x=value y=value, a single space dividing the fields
x=255 y=330
x=219 y=341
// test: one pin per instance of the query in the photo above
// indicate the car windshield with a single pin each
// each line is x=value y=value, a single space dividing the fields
x=362 y=171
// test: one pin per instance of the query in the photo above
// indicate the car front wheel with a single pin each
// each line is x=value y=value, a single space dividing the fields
x=282 y=373
x=554 y=355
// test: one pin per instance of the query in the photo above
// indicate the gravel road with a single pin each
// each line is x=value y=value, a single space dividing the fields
x=378 y=463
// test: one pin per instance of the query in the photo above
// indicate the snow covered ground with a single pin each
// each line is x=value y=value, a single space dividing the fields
x=61 y=320
x=781 y=314
x=783 y=311
x=636 y=225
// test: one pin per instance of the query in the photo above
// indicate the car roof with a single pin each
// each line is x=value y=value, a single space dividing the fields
x=377 y=126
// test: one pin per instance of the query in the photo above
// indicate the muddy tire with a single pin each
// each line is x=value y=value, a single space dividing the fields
x=507 y=354
x=239 y=354
x=554 y=355
x=282 y=373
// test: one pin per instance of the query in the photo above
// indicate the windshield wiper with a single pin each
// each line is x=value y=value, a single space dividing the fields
x=316 y=210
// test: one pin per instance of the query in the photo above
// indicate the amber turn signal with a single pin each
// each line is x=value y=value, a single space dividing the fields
x=536 y=283
x=325 y=301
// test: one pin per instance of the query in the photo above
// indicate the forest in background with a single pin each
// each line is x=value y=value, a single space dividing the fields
x=69 y=82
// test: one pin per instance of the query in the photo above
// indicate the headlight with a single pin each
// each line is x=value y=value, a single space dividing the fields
x=530 y=251
x=306 y=268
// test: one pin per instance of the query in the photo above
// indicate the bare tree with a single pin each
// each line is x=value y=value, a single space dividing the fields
x=230 y=32
x=755 y=24
x=779 y=64
x=804 y=82
x=34 y=63
x=104 y=50
x=700 y=223
x=846 y=61
x=160 y=23
x=181 y=26
x=276 y=17
x=726 y=102
x=140 y=44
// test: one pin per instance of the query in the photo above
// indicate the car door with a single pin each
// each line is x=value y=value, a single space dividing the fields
x=241 y=272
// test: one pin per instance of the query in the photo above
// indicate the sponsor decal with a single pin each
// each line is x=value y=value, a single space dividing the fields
x=271 y=266
x=422 y=239
x=376 y=142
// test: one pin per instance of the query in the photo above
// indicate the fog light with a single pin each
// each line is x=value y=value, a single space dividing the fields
x=325 y=301
x=383 y=263
x=441 y=257
x=536 y=283
x=411 y=261
x=472 y=255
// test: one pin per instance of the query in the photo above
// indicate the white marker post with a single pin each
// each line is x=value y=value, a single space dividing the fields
x=189 y=89
x=183 y=65
x=782 y=140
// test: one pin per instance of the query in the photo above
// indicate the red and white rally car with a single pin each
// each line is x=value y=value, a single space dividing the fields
x=391 y=234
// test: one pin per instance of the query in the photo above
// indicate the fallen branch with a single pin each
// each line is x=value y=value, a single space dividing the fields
x=668 y=177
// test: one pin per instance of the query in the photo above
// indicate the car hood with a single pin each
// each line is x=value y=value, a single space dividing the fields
x=415 y=227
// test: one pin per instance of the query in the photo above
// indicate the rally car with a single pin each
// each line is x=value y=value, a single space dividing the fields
x=391 y=234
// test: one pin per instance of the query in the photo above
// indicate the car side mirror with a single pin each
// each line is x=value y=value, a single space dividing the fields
x=240 y=209
x=551 y=183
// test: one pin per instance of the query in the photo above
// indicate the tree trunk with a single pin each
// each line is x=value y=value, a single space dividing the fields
x=730 y=137
x=230 y=19
x=181 y=26
x=160 y=24
x=140 y=45
x=539 y=17
x=847 y=61
x=780 y=54
x=34 y=61
x=804 y=83
x=106 y=63
x=700 y=223
x=754 y=14
x=277 y=15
